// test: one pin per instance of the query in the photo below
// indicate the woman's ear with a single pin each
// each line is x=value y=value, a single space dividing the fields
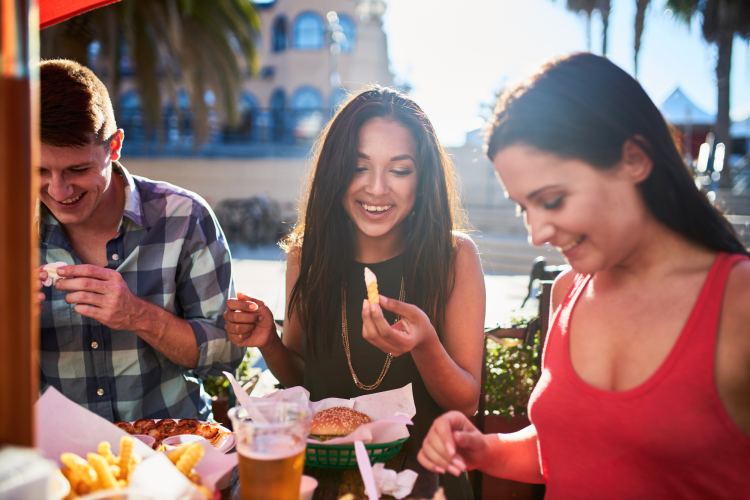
x=635 y=161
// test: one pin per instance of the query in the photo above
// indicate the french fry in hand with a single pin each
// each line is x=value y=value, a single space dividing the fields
x=190 y=458
x=104 y=474
x=372 y=286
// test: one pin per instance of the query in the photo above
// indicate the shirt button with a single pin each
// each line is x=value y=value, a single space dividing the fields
x=94 y=345
x=100 y=392
x=115 y=256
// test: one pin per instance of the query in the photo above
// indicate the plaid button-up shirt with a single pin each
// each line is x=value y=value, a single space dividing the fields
x=171 y=252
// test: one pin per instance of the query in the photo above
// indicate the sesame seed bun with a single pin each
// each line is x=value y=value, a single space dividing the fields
x=336 y=422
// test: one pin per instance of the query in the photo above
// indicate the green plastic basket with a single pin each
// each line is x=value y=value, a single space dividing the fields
x=342 y=456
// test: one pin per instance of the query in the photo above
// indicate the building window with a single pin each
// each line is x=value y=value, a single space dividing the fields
x=308 y=31
x=348 y=27
x=280 y=34
x=307 y=98
x=308 y=118
x=278 y=118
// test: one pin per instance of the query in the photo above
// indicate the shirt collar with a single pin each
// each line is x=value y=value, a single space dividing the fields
x=133 y=206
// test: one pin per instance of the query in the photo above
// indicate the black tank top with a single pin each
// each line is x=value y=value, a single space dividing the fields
x=327 y=373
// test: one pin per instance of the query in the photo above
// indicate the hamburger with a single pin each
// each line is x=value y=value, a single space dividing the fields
x=336 y=422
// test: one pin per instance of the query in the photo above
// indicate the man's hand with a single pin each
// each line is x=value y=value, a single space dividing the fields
x=249 y=321
x=101 y=294
x=39 y=284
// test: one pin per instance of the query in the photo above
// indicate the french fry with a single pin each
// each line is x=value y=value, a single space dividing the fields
x=107 y=480
x=372 y=286
x=174 y=455
x=126 y=452
x=115 y=470
x=73 y=479
x=104 y=449
x=205 y=491
x=84 y=474
x=188 y=459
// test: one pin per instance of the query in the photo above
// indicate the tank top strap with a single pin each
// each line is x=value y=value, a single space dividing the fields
x=698 y=337
x=561 y=321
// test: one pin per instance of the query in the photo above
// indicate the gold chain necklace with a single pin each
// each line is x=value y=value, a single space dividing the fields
x=345 y=335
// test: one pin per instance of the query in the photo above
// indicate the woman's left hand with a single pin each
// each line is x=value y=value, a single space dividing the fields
x=408 y=333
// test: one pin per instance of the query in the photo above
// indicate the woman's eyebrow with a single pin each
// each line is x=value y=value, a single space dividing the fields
x=402 y=157
x=538 y=191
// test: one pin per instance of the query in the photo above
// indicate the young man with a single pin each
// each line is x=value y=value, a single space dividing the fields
x=137 y=322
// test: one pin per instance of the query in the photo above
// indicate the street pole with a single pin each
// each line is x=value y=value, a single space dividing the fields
x=19 y=155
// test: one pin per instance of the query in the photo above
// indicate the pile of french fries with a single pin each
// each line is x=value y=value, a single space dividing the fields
x=103 y=470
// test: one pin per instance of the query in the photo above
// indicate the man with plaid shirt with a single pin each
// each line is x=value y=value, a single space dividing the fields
x=136 y=322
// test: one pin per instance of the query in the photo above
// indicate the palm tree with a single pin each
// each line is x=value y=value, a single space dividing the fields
x=172 y=44
x=604 y=7
x=587 y=6
x=722 y=20
x=640 y=17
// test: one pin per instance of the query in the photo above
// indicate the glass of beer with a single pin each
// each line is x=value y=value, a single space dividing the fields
x=271 y=448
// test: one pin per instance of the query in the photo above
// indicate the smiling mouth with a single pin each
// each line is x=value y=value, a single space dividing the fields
x=71 y=201
x=375 y=209
x=571 y=246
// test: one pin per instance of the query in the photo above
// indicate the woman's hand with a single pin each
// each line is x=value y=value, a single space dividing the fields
x=408 y=333
x=249 y=322
x=453 y=445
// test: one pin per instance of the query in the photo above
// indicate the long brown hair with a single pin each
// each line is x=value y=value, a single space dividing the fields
x=323 y=232
x=585 y=107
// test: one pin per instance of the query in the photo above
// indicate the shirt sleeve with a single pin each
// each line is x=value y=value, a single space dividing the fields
x=204 y=285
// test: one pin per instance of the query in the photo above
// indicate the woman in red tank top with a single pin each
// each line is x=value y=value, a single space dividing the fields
x=645 y=387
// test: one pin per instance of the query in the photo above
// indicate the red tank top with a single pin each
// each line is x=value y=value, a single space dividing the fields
x=669 y=438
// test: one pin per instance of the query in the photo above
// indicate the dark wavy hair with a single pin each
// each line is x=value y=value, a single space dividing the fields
x=584 y=107
x=323 y=232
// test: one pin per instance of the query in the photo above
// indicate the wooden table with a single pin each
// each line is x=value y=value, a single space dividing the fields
x=333 y=483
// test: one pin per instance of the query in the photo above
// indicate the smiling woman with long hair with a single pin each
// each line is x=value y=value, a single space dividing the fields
x=381 y=195
x=646 y=370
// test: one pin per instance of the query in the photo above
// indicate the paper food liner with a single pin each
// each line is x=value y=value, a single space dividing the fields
x=390 y=411
x=64 y=426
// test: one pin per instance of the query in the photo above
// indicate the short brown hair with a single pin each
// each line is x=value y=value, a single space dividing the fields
x=75 y=104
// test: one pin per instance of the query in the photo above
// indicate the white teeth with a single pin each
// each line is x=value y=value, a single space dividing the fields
x=372 y=208
x=72 y=200
x=572 y=245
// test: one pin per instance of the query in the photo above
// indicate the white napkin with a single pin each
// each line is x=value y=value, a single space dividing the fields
x=52 y=276
x=389 y=482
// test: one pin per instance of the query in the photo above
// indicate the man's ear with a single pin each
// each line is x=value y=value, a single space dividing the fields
x=115 y=145
x=636 y=162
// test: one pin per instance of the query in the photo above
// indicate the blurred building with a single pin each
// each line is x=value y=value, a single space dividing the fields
x=312 y=53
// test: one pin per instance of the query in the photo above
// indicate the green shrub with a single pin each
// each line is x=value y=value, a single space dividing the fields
x=218 y=385
x=512 y=373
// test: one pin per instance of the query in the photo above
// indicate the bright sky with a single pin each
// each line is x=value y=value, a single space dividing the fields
x=456 y=55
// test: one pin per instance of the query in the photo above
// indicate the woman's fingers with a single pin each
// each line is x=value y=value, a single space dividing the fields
x=397 y=307
x=246 y=297
x=241 y=317
x=242 y=305
x=239 y=328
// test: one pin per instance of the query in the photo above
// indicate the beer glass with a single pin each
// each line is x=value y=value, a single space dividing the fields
x=271 y=448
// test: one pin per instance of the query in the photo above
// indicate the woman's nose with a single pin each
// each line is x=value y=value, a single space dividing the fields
x=378 y=184
x=541 y=230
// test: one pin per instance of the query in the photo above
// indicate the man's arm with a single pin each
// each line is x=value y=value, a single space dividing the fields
x=103 y=295
x=204 y=283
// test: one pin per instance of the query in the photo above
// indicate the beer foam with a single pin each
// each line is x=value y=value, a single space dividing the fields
x=270 y=447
